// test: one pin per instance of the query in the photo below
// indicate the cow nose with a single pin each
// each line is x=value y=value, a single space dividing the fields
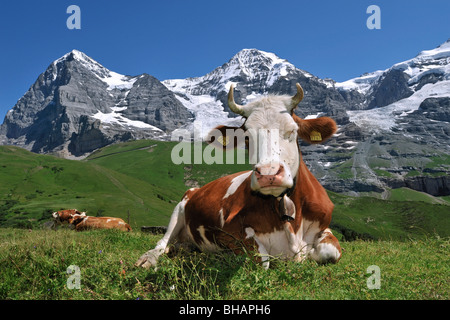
x=269 y=169
x=269 y=174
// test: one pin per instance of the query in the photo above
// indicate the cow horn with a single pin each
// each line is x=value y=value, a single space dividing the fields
x=298 y=96
x=236 y=108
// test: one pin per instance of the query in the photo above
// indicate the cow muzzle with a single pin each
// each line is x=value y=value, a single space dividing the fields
x=271 y=179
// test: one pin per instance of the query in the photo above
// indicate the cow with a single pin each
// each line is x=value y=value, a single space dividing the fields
x=83 y=222
x=277 y=209
x=59 y=217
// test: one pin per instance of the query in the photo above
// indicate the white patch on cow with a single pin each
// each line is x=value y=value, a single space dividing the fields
x=276 y=243
x=206 y=245
x=55 y=215
x=236 y=183
x=285 y=244
x=294 y=242
x=175 y=225
x=324 y=252
x=310 y=231
x=264 y=254
x=108 y=220
x=222 y=220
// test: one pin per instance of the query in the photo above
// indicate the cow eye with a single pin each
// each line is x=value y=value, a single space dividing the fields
x=290 y=135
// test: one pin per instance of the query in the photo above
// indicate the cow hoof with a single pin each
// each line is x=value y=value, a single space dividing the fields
x=148 y=259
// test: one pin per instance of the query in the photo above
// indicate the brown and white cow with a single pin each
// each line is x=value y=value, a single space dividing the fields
x=87 y=222
x=64 y=215
x=278 y=208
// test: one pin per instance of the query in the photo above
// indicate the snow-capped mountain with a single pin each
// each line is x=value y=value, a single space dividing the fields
x=77 y=106
x=391 y=122
x=254 y=73
x=400 y=90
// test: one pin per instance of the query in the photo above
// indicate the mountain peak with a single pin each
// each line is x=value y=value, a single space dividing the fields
x=113 y=79
x=75 y=55
x=253 y=56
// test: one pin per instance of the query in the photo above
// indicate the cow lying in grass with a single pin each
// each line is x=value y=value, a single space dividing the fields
x=83 y=222
x=277 y=209
x=63 y=216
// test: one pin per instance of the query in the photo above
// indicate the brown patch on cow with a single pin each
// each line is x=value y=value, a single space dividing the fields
x=65 y=215
x=226 y=137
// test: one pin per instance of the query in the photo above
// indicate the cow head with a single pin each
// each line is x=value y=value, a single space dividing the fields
x=64 y=215
x=272 y=130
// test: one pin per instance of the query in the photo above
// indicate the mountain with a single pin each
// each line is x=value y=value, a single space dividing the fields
x=77 y=106
x=402 y=118
x=255 y=73
x=393 y=124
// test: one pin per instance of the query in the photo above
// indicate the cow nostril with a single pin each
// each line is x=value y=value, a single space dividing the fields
x=280 y=170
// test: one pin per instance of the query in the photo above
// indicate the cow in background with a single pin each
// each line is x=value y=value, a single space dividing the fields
x=63 y=216
x=83 y=222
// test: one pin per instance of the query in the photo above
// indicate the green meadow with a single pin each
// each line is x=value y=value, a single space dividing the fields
x=406 y=236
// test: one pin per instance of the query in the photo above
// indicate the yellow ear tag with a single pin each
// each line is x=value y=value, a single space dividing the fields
x=315 y=136
x=223 y=141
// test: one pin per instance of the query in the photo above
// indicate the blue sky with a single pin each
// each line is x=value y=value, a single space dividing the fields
x=178 y=39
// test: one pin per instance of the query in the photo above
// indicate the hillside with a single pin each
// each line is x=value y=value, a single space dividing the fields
x=139 y=178
x=136 y=177
x=35 y=185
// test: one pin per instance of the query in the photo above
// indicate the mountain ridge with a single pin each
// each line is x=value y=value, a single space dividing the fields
x=391 y=122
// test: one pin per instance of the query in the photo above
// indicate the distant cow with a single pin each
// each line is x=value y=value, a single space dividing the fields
x=87 y=222
x=62 y=216
x=277 y=209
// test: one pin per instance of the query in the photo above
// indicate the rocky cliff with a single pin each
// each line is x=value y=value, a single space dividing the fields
x=77 y=106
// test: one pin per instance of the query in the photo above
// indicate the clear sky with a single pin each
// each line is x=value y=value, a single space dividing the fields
x=172 y=39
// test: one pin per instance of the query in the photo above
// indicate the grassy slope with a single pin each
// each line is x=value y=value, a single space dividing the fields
x=372 y=218
x=34 y=266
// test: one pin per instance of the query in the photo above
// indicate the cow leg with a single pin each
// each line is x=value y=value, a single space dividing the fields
x=326 y=248
x=176 y=225
x=263 y=253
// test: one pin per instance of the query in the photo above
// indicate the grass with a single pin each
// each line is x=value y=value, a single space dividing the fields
x=406 y=194
x=406 y=236
x=398 y=219
x=34 y=266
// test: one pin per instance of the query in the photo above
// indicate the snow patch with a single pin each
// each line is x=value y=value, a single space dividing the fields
x=118 y=119
x=384 y=118
x=361 y=84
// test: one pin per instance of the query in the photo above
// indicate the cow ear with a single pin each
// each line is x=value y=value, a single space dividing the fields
x=226 y=137
x=315 y=130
